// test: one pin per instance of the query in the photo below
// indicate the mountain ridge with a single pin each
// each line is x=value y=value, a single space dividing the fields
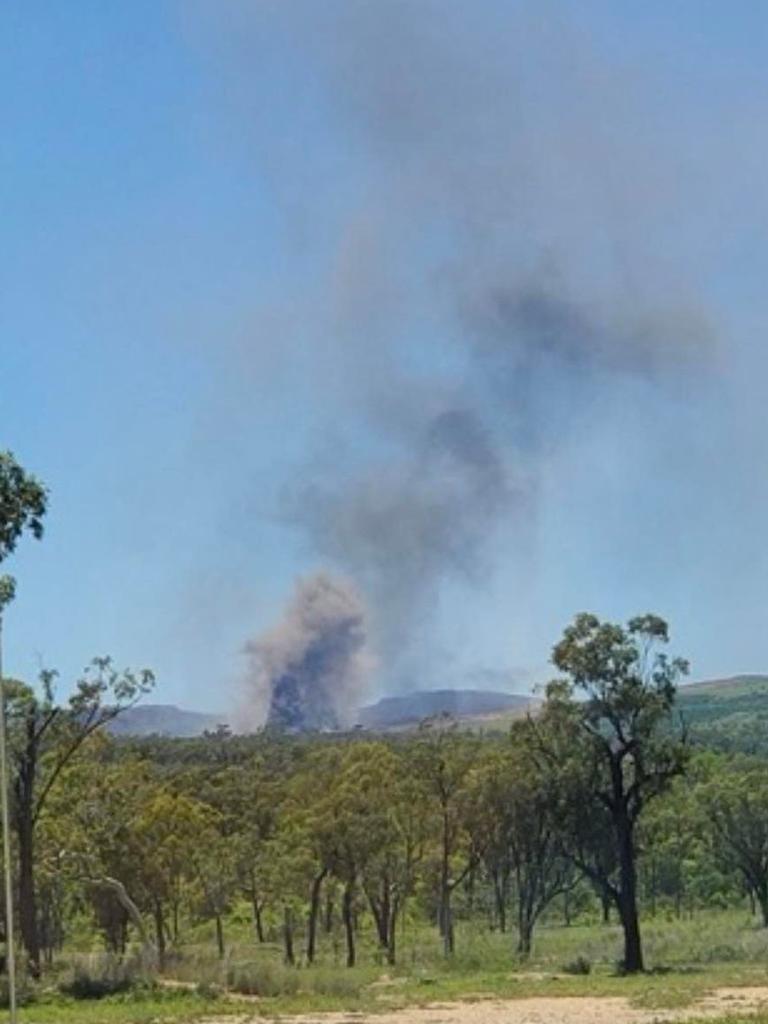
x=705 y=699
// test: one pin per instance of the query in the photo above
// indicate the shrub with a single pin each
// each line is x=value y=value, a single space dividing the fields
x=24 y=992
x=98 y=977
x=265 y=978
x=724 y=952
x=581 y=965
x=343 y=984
x=207 y=990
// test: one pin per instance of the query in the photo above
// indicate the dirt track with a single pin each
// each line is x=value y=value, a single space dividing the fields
x=564 y=1010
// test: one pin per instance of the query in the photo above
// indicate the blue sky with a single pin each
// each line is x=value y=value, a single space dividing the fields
x=251 y=250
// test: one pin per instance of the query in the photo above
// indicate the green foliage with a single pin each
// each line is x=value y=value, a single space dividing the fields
x=98 y=977
x=25 y=992
x=23 y=504
x=262 y=978
x=581 y=965
x=264 y=865
x=604 y=740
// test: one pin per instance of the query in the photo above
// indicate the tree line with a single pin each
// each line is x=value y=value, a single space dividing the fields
x=597 y=799
x=353 y=836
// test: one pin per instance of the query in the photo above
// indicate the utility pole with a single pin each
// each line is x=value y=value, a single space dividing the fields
x=7 y=593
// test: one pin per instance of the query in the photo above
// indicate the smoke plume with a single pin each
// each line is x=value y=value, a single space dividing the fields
x=479 y=303
x=310 y=671
x=481 y=297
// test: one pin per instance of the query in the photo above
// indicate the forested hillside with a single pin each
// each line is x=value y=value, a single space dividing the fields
x=243 y=856
x=728 y=714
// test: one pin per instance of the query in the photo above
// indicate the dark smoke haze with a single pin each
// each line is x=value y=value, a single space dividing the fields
x=460 y=300
x=310 y=672
x=472 y=324
x=486 y=303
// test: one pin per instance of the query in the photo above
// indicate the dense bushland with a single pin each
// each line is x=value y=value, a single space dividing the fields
x=597 y=808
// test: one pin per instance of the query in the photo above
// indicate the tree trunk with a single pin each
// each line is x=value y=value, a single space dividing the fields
x=220 y=936
x=288 y=936
x=762 y=899
x=380 y=904
x=328 y=915
x=314 y=913
x=605 y=905
x=526 y=915
x=446 y=922
x=115 y=886
x=392 y=936
x=525 y=936
x=633 y=951
x=349 y=925
x=159 y=933
x=28 y=922
x=653 y=885
x=258 y=924
x=500 y=899
x=446 y=917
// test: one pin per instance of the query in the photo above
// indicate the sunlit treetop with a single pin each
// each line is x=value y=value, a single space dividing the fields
x=23 y=504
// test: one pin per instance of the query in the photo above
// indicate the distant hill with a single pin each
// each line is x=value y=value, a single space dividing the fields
x=412 y=708
x=728 y=688
x=728 y=714
x=470 y=706
x=164 y=720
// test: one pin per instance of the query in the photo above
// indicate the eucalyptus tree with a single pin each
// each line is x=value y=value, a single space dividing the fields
x=443 y=759
x=89 y=834
x=390 y=873
x=735 y=803
x=522 y=843
x=365 y=837
x=45 y=735
x=608 y=739
x=23 y=504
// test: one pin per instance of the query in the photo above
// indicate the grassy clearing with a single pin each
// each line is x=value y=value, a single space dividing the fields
x=753 y=1018
x=687 y=958
x=141 y=1008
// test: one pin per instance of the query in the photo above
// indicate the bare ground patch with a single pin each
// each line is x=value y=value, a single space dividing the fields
x=539 y=1010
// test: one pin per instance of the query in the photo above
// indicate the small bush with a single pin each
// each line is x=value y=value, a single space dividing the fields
x=24 y=992
x=262 y=979
x=207 y=990
x=581 y=965
x=100 y=977
x=341 y=983
x=724 y=952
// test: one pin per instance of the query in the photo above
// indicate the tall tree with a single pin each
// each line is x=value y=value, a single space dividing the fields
x=23 y=504
x=44 y=737
x=443 y=759
x=607 y=735
x=736 y=805
x=512 y=803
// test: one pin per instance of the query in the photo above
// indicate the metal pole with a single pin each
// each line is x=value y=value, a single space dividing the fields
x=7 y=872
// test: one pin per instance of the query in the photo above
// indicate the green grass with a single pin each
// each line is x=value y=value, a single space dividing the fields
x=733 y=686
x=135 y=1009
x=658 y=992
x=687 y=960
x=750 y=1018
